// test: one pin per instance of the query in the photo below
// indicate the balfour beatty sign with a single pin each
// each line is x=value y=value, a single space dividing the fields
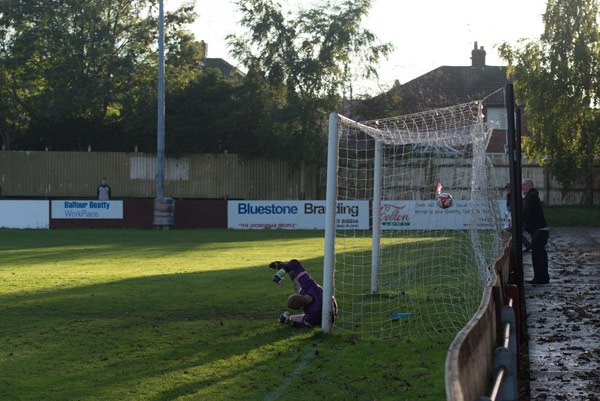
x=295 y=215
x=86 y=209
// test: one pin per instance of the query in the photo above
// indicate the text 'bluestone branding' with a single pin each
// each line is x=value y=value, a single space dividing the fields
x=309 y=208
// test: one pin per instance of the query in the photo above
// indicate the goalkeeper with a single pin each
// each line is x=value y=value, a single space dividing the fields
x=308 y=297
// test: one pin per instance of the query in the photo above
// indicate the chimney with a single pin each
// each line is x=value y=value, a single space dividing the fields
x=204 y=50
x=478 y=57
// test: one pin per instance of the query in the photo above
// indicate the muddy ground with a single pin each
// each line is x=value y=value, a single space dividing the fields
x=563 y=318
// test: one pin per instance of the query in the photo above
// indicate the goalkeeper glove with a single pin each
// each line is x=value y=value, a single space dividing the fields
x=285 y=318
x=276 y=265
x=279 y=277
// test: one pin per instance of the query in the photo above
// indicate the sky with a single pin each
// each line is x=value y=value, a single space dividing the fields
x=426 y=34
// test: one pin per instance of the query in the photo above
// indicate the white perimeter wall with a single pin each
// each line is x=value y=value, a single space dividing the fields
x=24 y=214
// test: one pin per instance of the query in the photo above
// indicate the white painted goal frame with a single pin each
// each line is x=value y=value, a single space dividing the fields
x=443 y=130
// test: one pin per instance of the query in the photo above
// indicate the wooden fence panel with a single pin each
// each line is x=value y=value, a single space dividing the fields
x=52 y=175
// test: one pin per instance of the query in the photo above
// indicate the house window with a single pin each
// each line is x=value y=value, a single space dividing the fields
x=496 y=117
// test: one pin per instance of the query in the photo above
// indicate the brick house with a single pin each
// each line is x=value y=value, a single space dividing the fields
x=220 y=64
x=442 y=87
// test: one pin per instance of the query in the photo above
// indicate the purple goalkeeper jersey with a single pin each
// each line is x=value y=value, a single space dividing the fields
x=306 y=285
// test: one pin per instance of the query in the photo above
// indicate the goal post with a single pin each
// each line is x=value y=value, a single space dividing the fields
x=376 y=225
x=330 y=216
x=416 y=266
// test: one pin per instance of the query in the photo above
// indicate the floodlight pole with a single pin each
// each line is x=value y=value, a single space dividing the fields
x=160 y=132
x=164 y=208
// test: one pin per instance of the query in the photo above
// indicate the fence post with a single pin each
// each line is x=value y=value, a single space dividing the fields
x=508 y=316
x=505 y=357
x=512 y=292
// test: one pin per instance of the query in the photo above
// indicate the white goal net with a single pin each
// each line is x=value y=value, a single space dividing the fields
x=413 y=221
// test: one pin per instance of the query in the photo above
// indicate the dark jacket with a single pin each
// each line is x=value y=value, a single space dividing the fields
x=533 y=213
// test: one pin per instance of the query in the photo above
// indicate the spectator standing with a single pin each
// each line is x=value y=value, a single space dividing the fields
x=524 y=239
x=535 y=224
x=103 y=190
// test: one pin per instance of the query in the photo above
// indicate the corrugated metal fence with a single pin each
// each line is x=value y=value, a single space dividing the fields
x=51 y=175
x=132 y=175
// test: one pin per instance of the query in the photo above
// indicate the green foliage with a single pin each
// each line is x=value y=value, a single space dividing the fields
x=75 y=74
x=186 y=315
x=80 y=73
x=197 y=115
x=558 y=80
x=214 y=114
x=573 y=216
x=313 y=55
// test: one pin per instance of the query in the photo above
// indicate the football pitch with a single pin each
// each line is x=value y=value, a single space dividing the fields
x=184 y=315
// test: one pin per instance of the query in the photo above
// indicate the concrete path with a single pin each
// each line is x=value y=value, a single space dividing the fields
x=563 y=318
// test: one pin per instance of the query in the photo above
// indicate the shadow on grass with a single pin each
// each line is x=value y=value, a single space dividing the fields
x=208 y=334
x=154 y=337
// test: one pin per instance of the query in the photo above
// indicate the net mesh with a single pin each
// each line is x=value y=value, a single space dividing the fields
x=431 y=262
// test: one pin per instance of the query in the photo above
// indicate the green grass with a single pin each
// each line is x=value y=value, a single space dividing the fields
x=573 y=216
x=430 y=275
x=183 y=315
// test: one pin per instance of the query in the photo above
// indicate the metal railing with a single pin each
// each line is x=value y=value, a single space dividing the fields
x=505 y=386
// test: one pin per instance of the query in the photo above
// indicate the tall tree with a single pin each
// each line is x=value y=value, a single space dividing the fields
x=557 y=78
x=198 y=116
x=79 y=70
x=312 y=55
